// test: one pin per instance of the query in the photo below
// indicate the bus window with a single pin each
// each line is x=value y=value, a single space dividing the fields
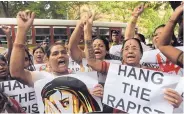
x=60 y=31
x=104 y=32
x=60 y=34
x=42 y=33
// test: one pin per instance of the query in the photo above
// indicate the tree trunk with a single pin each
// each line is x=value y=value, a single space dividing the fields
x=5 y=8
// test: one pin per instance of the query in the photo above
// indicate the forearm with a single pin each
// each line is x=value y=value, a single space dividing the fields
x=168 y=52
x=130 y=29
x=18 y=55
x=74 y=50
x=168 y=31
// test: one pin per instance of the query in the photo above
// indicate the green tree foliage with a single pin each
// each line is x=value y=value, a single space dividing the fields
x=155 y=13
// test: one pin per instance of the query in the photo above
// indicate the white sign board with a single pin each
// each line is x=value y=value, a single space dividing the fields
x=23 y=94
x=136 y=90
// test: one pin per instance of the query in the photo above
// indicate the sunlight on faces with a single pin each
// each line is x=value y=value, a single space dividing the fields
x=62 y=102
x=131 y=53
x=3 y=69
x=38 y=55
x=99 y=49
x=58 y=59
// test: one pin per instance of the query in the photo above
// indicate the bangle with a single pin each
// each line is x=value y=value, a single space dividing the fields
x=22 y=46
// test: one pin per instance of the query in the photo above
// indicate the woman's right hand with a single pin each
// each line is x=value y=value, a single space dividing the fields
x=98 y=90
x=25 y=20
x=138 y=10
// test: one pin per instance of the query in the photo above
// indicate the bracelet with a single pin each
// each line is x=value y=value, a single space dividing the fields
x=22 y=46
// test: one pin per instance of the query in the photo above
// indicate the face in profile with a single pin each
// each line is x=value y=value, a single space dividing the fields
x=131 y=53
x=3 y=69
x=26 y=61
x=157 y=34
x=67 y=95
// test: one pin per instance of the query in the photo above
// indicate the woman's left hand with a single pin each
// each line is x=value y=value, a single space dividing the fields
x=98 y=90
x=173 y=97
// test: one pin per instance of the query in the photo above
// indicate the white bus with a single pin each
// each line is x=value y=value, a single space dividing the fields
x=56 y=29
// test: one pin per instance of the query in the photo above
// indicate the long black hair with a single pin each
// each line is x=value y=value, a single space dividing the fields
x=31 y=65
x=75 y=87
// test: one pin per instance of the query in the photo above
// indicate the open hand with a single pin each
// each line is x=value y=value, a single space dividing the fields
x=25 y=20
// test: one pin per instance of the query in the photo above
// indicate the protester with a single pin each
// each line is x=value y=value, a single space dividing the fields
x=56 y=54
x=115 y=37
x=7 y=104
x=7 y=31
x=38 y=55
x=131 y=52
x=45 y=44
x=172 y=53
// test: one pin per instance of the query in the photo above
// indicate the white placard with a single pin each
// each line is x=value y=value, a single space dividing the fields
x=136 y=90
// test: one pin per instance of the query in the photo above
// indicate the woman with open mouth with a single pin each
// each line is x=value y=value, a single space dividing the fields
x=38 y=55
x=57 y=57
x=132 y=52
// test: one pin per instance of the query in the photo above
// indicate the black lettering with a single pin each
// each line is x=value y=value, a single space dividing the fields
x=132 y=73
x=111 y=99
x=146 y=77
x=159 y=112
x=73 y=62
x=125 y=86
x=134 y=90
x=122 y=70
x=73 y=69
x=143 y=93
x=17 y=85
x=77 y=69
x=131 y=105
x=21 y=97
x=31 y=96
x=35 y=108
x=160 y=80
x=13 y=96
x=145 y=110
x=6 y=86
x=138 y=110
x=24 y=108
x=120 y=104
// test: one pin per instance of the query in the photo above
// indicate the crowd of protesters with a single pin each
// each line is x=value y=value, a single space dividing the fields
x=18 y=63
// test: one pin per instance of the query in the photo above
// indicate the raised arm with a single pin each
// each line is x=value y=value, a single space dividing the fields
x=75 y=52
x=95 y=64
x=173 y=54
x=130 y=29
x=7 y=31
x=24 y=21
